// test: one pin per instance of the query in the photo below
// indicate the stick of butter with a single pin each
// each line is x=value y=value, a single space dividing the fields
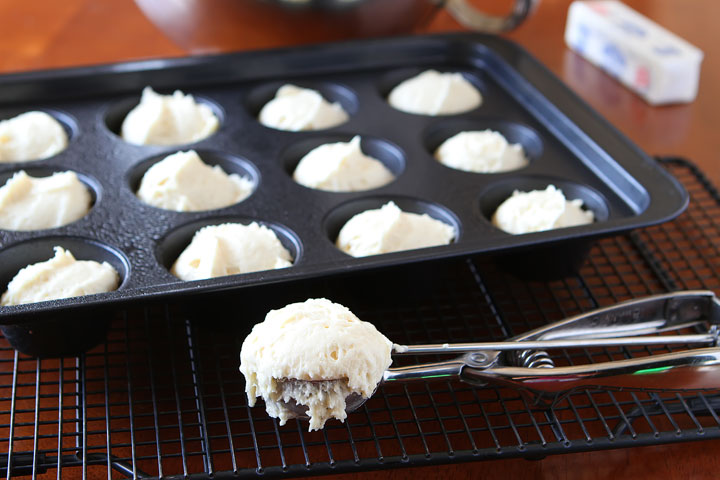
x=657 y=64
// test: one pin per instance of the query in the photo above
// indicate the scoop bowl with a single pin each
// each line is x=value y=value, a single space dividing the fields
x=352 y=401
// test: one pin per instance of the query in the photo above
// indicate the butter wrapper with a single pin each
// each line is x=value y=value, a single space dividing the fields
x=650 y=60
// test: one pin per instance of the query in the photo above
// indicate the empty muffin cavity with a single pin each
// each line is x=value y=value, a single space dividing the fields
x=39 y=198
x=432 y=92
x=31 y=252
x=193 y=180
x=374 y=221
x=185 y=119
x=340 y=163
x=236 y=257
x=546 y=209
x=35 y=135
x=302 y=106
x=483 y=146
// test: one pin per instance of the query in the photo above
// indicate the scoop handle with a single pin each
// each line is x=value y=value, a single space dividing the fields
x=449 y=370
x=648 y=315
x=631 y=323
x=697 y=369
x=710 y=339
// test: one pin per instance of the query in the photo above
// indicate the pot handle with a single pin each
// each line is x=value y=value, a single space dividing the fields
x=468 y=15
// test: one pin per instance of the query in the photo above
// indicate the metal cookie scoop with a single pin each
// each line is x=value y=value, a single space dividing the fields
x=523 y=364
x=352 y=402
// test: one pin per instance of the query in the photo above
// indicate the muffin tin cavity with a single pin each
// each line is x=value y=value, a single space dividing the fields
x=93 y=187
x=229 y=163
x=340 y=215
x=386 y=152
x=66 y=121
x=115 y=113
x=26 y=253
x=513 y=132
x=330 y=91
x=493 y=196
x=171 y=245
x=392 y=79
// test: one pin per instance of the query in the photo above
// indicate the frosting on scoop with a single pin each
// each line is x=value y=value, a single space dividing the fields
x=318 y=341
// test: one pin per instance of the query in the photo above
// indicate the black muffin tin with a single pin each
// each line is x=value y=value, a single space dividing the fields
x=569 y=146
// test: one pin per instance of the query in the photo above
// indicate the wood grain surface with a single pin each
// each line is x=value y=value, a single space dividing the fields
x=44 y=34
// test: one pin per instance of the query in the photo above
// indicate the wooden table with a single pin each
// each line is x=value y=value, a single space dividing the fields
x=49 y=34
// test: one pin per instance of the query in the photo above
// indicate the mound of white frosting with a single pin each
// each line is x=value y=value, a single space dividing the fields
x=295 y=109
x=29 y=203
x=229 y=249
x=60 y=277
x=319 y=341
x=389 y=229
x=483 y=151
x=31 y=136
x=539 y=210
x=184 y=183
x=435 y=93
x=341 y=167
x=168 y=120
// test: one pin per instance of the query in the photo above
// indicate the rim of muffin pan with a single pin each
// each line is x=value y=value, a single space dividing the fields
x=115 y=112
x=333 y=92
x=68 y=122
x=93 y=186
x=169 y=247
x=494 y=194
x=391 y=79
x=388 y=153
x=338 y=216
x=230 y=163
x=27 y=252
x=514 y=132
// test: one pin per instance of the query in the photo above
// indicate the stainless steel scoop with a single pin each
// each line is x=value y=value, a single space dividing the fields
x=522 y=363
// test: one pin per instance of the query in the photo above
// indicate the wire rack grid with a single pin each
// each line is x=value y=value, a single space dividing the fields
x=162 y=397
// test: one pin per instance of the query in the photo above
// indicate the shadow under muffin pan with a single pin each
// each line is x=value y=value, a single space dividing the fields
x=567 y=142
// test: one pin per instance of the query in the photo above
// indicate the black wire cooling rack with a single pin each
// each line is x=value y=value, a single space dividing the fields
x=162 y=397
